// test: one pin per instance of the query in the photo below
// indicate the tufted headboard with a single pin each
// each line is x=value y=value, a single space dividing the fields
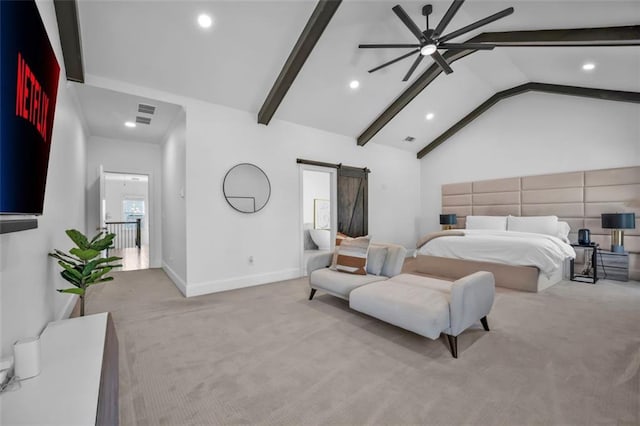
x=575 y=197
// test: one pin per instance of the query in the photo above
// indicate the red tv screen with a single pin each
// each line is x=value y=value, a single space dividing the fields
x=29 y=77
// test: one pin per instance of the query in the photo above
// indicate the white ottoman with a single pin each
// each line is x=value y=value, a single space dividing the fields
x=429 y=306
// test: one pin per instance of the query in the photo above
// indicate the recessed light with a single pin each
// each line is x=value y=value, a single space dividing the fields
x=589 y=66
x=204 y=20
x=130 y=124
x=354 y=84
x=429 y=116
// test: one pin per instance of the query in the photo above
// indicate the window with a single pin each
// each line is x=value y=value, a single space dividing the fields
x=133 y=209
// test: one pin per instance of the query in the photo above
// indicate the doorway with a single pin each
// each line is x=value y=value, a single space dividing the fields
x=126 y=214
x=318 y=211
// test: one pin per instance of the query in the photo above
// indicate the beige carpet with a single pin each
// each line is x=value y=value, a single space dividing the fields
x=266 y=355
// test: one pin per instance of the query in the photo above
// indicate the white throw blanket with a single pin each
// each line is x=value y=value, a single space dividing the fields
x=545 y=252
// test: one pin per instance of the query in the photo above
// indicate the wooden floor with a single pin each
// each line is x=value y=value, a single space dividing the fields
x=133 y=259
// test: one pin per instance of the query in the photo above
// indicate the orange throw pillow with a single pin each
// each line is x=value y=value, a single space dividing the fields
x=352 y=256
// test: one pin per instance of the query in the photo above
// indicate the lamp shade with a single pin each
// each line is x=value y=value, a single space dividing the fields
x=448 y=219
x=619 y=220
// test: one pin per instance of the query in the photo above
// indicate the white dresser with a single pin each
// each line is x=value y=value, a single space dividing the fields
x=78 y=382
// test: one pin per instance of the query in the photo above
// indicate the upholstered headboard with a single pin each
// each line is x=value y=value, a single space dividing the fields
x=576 y=197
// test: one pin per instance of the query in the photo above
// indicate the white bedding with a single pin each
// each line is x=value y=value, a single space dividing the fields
x=545 y=252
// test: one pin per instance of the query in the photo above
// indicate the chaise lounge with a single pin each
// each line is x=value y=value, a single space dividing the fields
x=429 y=306
x=424 y=305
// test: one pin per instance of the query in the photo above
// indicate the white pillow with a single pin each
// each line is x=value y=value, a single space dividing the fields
x=563 y=231
x=496 y=223
x=537 y=224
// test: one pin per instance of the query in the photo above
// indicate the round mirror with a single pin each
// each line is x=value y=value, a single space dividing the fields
x=246 y=188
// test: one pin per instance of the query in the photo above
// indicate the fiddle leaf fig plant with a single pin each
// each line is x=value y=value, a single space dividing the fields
x=81 y=266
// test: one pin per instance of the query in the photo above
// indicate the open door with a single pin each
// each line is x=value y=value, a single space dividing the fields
x=125 y=213
x=353 y=201
x=318 y=211
x=102 y=208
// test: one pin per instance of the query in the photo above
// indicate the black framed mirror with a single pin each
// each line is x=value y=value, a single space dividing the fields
x=246 y=188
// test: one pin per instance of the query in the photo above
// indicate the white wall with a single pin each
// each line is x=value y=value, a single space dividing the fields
x=127 y=157
x=28 y=278
x=220 y=239
x=316 y=185
x=532 y=134
x=174 y=228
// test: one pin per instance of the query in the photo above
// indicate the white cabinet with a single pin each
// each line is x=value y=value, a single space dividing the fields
x=78 y=382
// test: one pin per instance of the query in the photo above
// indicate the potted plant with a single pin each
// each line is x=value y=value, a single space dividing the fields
x=82 y=266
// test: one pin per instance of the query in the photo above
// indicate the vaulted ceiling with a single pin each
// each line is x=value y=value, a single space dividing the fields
x=237 y=60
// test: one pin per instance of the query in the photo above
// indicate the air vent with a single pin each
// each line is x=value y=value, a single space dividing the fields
x=143 y=120
x=146 y=109
x=409 y=139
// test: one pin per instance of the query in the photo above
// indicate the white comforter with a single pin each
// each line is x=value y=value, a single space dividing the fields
x=545 y=252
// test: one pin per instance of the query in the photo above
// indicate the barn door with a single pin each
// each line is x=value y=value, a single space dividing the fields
x=353 y=201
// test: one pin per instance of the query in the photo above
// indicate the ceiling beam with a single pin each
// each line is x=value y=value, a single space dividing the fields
x=585 y=92
x=322 y=14
x=69 y=29
x=604 y=36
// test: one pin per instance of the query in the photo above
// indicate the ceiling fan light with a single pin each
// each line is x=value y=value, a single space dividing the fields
x=428 y=49
x=204 y=20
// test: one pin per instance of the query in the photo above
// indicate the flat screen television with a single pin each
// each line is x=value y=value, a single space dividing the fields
x=29 y=75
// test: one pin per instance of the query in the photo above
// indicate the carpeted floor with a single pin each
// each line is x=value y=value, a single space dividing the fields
x=266 y=355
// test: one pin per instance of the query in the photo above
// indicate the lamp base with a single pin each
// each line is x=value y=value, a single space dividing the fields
x=617 y=241
x=617 y=248
x=447 y=227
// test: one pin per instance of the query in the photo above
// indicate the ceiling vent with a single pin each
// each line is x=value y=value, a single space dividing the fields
x=143 y=120
x=146 y=109
x=409 y=139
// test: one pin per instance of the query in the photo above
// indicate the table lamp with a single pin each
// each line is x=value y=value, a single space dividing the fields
x=617 y=222
x=448 y=220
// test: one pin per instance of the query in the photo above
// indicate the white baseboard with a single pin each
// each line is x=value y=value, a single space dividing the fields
x=179 y=282
x=198 y=289
x=68 y=308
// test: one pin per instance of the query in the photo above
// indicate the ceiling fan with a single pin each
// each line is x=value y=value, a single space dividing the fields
x=431 y=40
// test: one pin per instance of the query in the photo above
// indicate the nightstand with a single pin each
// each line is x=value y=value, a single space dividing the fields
x=613 y=266
x=591 y=273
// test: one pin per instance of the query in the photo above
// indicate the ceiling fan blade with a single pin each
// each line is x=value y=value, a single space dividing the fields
x=465 y=46
x=385 y=46
x=398 y=10
x=413 y=67
x=442 y=62
x=448 y=16
x=508 y=11
x=393 y=61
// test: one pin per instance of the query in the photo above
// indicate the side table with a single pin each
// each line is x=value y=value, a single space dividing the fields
x=613 y=266
x=590 y=272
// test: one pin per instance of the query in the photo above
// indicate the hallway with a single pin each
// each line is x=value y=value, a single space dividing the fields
x=133 y=259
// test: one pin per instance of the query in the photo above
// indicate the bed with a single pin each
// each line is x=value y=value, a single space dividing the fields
x=524 y=253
